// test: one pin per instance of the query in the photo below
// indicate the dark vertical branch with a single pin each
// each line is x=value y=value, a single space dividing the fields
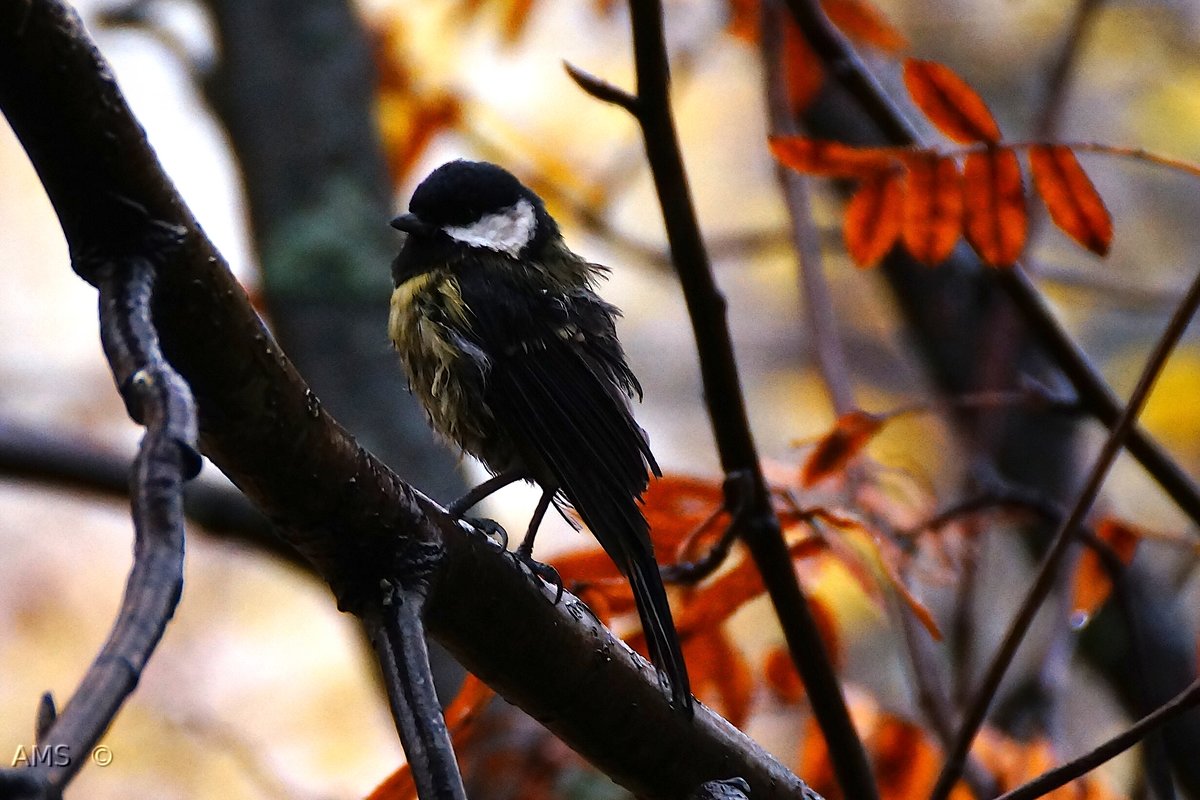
x=1047 y=570
x=398 y=633
x=748 y=494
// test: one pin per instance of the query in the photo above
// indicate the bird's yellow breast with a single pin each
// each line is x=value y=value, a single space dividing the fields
x=425 y=312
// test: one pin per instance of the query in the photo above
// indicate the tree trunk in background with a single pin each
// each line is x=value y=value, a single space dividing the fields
x=294 y=89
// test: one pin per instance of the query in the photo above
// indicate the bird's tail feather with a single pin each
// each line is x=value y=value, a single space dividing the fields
x=661 y=639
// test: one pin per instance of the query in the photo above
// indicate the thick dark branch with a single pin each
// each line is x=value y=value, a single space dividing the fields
x=756 y=517
x=334 y=502
x=157 y=397
x=1047 y=571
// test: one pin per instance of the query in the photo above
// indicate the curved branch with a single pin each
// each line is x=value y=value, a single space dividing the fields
x=156 y=396
x=334 y=502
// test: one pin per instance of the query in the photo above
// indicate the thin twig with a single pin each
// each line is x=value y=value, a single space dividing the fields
x=1186 y=700
x=398 y=634
x=1058 y=78
x=1044 y=581
x=726 y=404
x=827 y=344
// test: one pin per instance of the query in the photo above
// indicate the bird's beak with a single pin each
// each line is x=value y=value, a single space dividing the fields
x=411 y=223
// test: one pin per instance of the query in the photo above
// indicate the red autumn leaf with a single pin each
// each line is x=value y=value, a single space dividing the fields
x=933 y=201
x=906 y=761
x=1091 y=583
x=781 y=676
x=803 y=74
x=466 y=707
x=996 y=219
x=862 y=22
x=819 y=157
x=1070 y=197
x=873 y=218
x=949 y=102
x=850 y=435
x=676 y=505
x=715 y=663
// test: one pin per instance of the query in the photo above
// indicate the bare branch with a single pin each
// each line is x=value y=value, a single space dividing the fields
x=157 y=396
x=602 y=90
x=831 y=356
x=750 y=495
x=1185 y=701
x=1047 y=570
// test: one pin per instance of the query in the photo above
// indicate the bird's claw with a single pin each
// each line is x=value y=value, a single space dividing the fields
x=537 y=569
x=489 y=528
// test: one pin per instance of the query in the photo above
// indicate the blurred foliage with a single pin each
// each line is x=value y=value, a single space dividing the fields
x=279 y=676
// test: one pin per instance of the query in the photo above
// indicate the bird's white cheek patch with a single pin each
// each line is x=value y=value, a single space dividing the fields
x=506 y=231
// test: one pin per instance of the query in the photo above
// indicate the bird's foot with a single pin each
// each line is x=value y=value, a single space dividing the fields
x=490 y=529
x=524 y=560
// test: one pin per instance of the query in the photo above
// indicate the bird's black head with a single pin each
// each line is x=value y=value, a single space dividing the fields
x=474 y=204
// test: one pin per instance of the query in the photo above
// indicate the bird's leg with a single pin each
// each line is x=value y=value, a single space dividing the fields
x=524 y=551
x=488 y=487
x=489 y=527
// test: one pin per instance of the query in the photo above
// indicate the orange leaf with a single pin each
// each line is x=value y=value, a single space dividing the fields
x=466 y=707
x=850 y=434
x=781 y=676
x=873 y=219
x=819 y=157
x=743 y=16
x=1070 y=197
x=996 y=217
x=1092 y=583
x=862 y=22
x=675 y=505
x=933 y=203
x=713 y=662
x=906 y=761
x=803 y=74
x=949 y=102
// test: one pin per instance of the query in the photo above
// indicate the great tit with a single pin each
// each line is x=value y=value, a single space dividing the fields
x=516 y=360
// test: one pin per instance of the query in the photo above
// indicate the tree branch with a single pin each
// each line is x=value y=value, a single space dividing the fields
x=157 y=397
x=750 y=494
x=1047 y=570
x=354 y=519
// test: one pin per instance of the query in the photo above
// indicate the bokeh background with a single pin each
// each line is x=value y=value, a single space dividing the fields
x=260 y=688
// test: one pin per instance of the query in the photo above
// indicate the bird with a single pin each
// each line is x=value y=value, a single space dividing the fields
x=516 y=360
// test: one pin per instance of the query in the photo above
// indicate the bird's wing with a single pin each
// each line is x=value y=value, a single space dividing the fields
x=558 y=383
